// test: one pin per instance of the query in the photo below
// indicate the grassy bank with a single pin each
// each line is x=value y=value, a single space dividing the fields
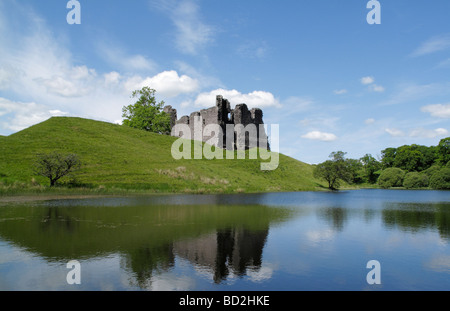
x=122 y=160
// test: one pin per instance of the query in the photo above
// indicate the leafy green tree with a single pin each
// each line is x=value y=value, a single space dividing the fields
x=55 y=165
x=146 y=114
x=441 y=179
x=415 y=180
x=443 y=150
x=388 y=157
x=355 y=170
x=371 y=168
x=391 y=177
x=408 y=158
x=334 y=171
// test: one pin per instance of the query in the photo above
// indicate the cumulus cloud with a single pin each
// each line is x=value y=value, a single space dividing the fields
x=322 y=136
x=371 y=86
x=395 y=132
x=367 y=80
x=40 y=64
x=166 y=83
x=256 y=99
x=369 y=121
x=20 y=115
x=438 y=110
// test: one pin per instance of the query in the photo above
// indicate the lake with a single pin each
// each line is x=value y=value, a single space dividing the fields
x=259 y=242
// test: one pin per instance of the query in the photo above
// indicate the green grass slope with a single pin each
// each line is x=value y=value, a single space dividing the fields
x=119 y=157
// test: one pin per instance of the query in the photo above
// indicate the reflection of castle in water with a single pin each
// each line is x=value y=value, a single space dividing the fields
x=227 y=251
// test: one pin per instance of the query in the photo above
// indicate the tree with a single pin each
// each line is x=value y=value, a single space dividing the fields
x=371 y=167
x=388 y=157
x=441 y=179
x=55 y=165
x=391 y=177
x=146 y=113
x=333 y=171
x=415 y=180
x=355 y=169
x=443 y=150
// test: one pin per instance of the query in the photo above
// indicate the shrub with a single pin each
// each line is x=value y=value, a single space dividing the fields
x=431 y=170
x=441 y=179
x=391 y=177
x=415 y=180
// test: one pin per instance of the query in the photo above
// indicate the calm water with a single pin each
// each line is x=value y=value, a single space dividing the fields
x=277 y=241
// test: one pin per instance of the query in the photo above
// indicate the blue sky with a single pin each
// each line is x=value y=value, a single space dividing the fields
x=317 y=68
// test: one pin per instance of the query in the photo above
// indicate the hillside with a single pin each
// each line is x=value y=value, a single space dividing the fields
x=120 y=157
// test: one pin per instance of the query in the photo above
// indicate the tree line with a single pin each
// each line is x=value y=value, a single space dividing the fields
x=409 y=166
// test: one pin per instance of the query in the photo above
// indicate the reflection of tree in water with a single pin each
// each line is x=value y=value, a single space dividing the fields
x=414 y=217
x=54 y=220
x=227 y=251
x=144 y=261
x=336 y=215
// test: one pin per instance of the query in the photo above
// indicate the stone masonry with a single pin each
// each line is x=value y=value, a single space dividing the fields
x=222 y=114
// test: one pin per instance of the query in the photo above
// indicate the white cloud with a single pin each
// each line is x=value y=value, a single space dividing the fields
x=19 y=115
x=74 y=81
x=371 y=86
x=191 y=33
x=166 y=83
x=255 y=99
x=438 y=110
x=112 y=78
x=317 y=135
x=376 y=88
x=116 y=55
x=37 y=62
x=340 y=92
x=367 y=80
x=435 y=44
x=425 y=133
x=369 y=121
x=395 y=132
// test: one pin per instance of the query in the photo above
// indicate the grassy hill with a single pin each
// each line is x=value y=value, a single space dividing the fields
x=117 y=157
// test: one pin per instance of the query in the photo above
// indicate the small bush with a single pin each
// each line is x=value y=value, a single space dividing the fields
x=415 y=180
x=441 y=179
x=391 y=177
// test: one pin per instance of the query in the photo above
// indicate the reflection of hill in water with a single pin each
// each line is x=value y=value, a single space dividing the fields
x=149 y=237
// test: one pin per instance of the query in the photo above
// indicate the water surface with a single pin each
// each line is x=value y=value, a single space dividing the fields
x=274 y=241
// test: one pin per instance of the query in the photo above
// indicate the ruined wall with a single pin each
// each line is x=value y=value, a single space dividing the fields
x=222 y=114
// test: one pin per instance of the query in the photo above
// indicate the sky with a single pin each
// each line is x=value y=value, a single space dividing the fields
x=331 y=80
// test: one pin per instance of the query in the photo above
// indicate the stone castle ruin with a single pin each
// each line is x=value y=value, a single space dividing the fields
x=241 y=128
